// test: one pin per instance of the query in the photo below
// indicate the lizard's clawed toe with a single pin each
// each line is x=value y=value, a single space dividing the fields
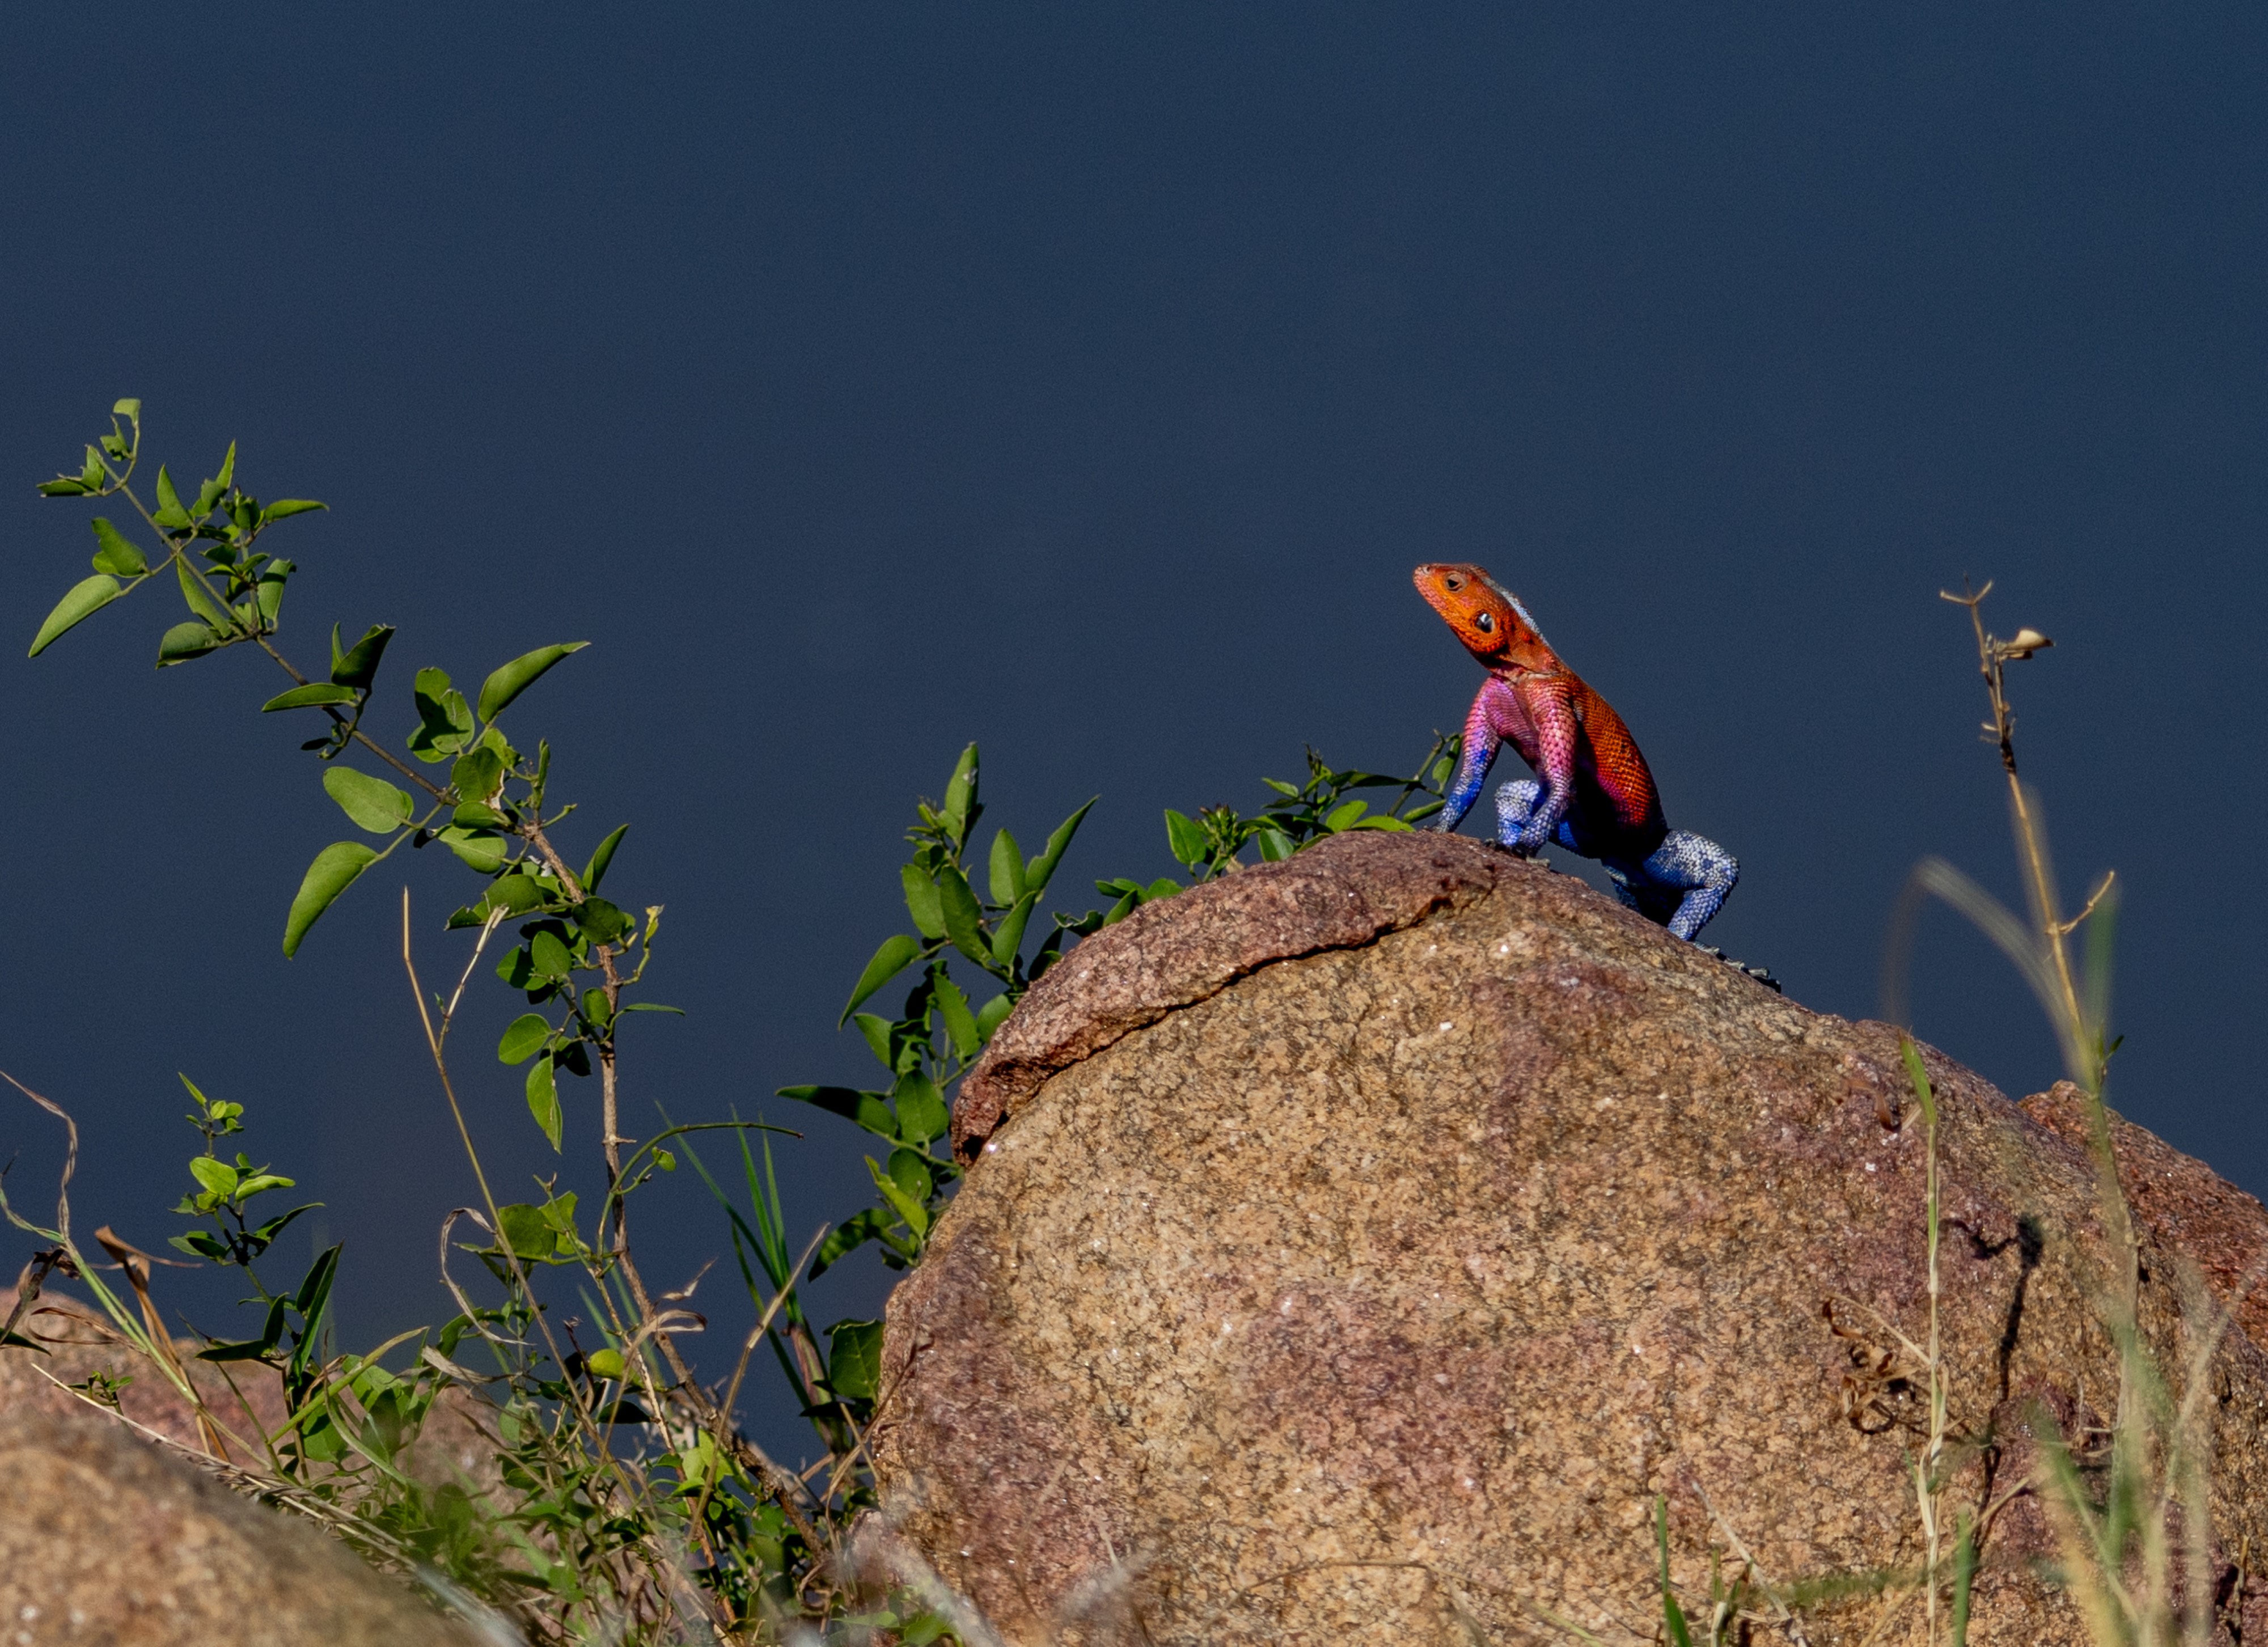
x=1762 y=974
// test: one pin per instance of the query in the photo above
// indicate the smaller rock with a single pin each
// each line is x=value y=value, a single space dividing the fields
x=104 y=1538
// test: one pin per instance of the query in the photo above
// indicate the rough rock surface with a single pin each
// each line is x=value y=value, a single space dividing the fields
x=77 y=1345
x=1358 y=1245
x=104 y=1540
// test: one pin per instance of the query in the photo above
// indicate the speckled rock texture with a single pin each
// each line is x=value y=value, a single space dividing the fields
x=1356 y=1246
x=76 y=1345
x=104 y=1540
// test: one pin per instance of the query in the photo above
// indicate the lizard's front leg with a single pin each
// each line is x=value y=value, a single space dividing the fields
x=1516 y=802
x=1544 y=701
x=1482 y=739
x=1685 y=882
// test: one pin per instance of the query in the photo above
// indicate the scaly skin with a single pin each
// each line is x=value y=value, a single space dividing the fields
x=1596 y=798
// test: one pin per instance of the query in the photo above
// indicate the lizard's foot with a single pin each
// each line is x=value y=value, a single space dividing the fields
x=1516 y=802
x=1762 y=974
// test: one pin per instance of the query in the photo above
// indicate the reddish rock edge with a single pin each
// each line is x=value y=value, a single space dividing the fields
x=1338 y=895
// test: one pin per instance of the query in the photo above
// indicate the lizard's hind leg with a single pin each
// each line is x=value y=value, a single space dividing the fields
x=1684 y=882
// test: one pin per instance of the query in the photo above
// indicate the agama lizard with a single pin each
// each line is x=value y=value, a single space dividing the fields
x=1596 y=798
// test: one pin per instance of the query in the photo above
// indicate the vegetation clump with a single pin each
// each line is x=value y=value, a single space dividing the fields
x=622 y=1500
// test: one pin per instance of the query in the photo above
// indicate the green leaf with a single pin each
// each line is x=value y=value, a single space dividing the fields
x=277 y=1225
x=249 y=1349
x=543 y=1098
x=549 y=955
x=444 y=719
x=913 y=1214
x=332 y=873
x=595 y=871
x=129 y=409
x=65 y=486
x=527 y=1230
x=908 y=1173
x=1041 y=869
x=523 y=1037
x=922 y=1113
x=854 y=1359
x=515 y=894
x=373 y=804
x=922 y=902
x=1919 y=1076
x=1672 y=1616
x=877 y=1031
x=517 y=676
x=227 y=475
x=992 y=1015
x=85 y=598
x=200 y=600
x=315 y=694
x=960 y=1023
x=185 y=643
x=867 y=1109
x=1343 y=817
x=114 y=554
x=482 y=849
x=169 y=513
x=1380 y=820
x=1275 y=846
x=219 y=1177
x=961 y=809
x=602 y=921
x=1187 y=838
x=1008 y=936
x=853 y=1233
x=357 y=666
x=1007 y=867
x=476 y=777
x=895 y=955
x=284 y=508
x=315 y=1286
x=963 y=920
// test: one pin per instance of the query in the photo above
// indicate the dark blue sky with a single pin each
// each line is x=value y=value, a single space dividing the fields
x=861 y=381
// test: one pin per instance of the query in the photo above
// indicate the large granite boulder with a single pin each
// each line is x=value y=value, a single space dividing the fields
x=1354 y=1247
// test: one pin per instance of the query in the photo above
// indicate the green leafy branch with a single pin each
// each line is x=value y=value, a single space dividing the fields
x=1302 y=815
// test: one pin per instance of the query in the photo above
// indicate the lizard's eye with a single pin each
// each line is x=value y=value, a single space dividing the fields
x=1485 y=623
x=1454 y=583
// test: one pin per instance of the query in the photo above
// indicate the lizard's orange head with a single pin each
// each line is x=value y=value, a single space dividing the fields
x=1486 y=616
